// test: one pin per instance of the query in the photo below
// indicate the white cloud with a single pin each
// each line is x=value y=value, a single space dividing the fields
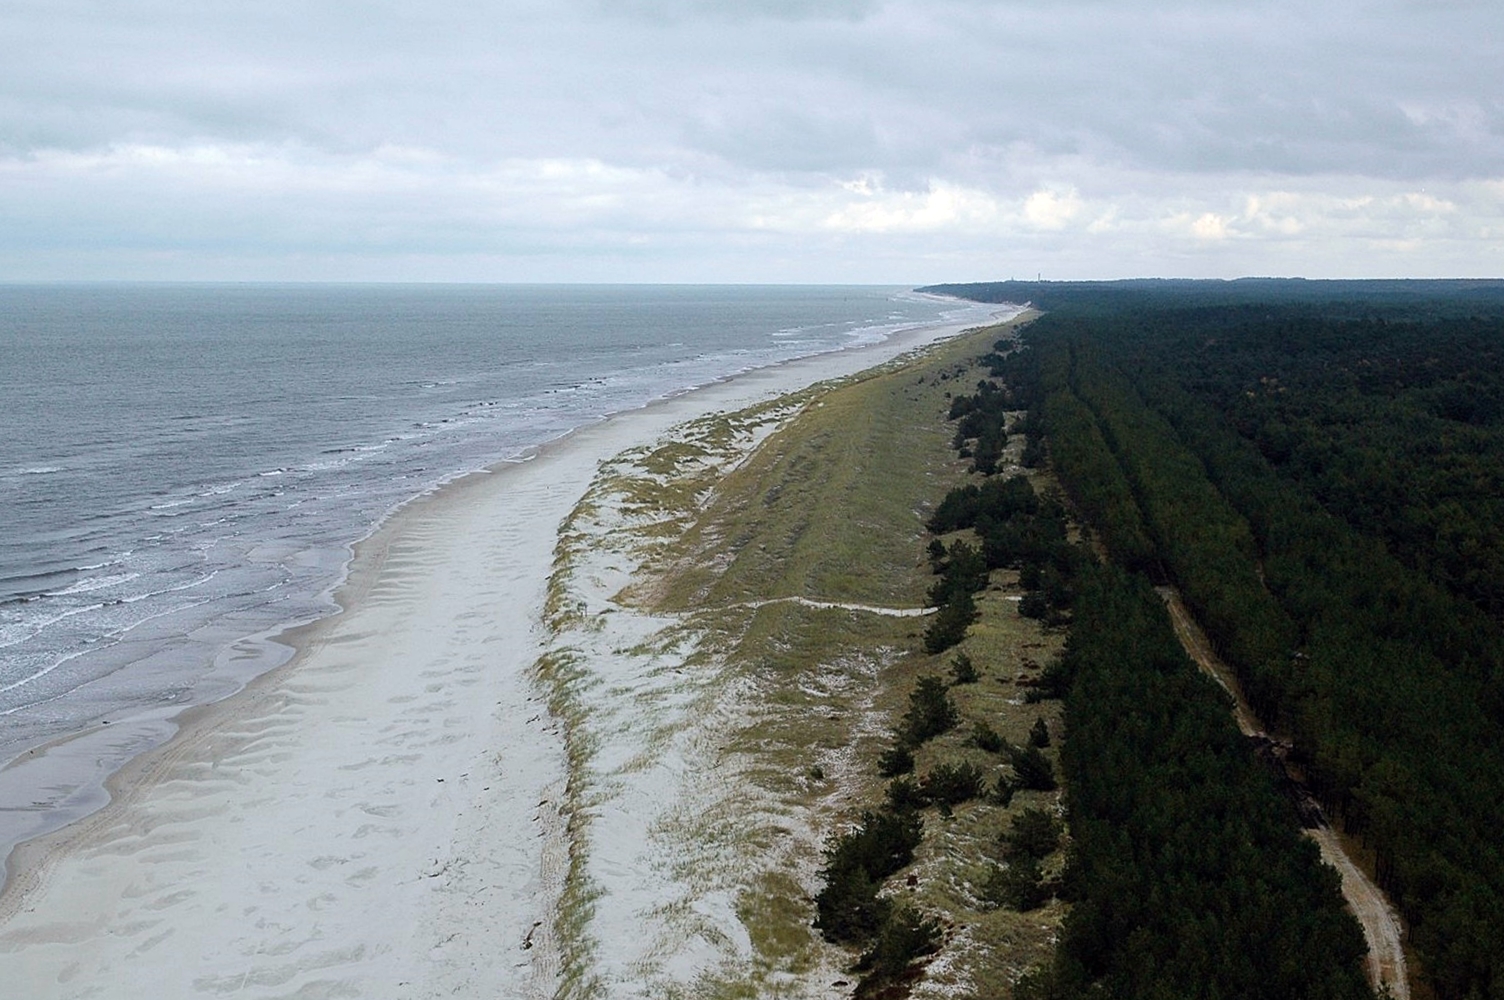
x=1047 y=209
x=940 y=208
x=1210 y=226
x=1274 y=212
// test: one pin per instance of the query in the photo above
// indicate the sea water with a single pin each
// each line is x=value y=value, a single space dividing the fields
x=185 y=466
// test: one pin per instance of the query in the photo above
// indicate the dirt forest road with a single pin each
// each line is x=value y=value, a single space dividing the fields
x=1381 y=926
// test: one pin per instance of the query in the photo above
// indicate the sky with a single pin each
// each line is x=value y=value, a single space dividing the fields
x=867 y=141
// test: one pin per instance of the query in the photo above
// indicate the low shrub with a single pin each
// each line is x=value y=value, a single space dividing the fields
x=1034 y=833
x=1019 y=885
x=951 y=785
x=984 y=737
x=962 y=670
x=931 y=712
x=905 y=936
x=848 y=907
x=905 y=794
x=1039 y=733
x=895 y=761
x=1033 y=770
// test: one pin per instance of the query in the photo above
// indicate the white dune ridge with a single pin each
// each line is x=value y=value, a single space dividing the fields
x=389 y=815
x=659 y=814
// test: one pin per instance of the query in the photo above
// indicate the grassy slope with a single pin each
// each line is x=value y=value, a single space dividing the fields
x=831 y=508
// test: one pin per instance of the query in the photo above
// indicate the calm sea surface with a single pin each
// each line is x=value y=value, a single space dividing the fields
x=185 y=466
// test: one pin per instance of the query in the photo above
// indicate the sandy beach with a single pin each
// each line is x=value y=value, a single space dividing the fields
x=388 y=814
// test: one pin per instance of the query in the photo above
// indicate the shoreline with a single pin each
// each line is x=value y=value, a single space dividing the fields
x=84 y=763
x=161 y=622
x=273 y=706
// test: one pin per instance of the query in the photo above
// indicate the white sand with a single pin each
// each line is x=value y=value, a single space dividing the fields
x=384 y=816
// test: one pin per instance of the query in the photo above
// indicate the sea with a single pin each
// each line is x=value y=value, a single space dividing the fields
x=184 y=469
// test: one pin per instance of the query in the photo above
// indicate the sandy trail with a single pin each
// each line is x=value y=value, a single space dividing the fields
x=1380 y=922
x=839 y=605
x=1381 y=926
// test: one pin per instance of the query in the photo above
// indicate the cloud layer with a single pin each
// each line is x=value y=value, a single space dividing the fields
x=764 y=140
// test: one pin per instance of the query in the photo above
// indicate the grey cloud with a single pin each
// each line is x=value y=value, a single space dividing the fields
x=1109 y=98
x=788 y=139
x=801 y=86
x=731 y=10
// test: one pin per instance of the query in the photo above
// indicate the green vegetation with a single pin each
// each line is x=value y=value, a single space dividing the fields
x=984 y=737
x=895 y=761
x=1319 y=467
x=931 y=712
x=962 y=670
x=1032 y=769
x=848 y=908
x=1018 y=885
x=1034 y=834
x=830 y=506
x=951 y=784
x=905 y=936
x=1187 y=873
x=962 y=574
x=1319 y=479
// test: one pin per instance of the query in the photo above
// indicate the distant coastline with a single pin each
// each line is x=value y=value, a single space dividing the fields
x=187 y=651
x=496 y=520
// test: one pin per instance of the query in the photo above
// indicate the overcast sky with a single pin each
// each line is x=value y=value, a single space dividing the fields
x=887 y=141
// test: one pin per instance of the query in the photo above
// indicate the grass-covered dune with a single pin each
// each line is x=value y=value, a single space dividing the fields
x=738 y=635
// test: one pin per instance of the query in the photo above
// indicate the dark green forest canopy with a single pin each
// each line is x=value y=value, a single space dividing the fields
x=1319 y=466
x=1394 y=297
x=1188 y=877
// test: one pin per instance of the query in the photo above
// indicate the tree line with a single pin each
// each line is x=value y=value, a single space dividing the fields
x=1322 y=478
x=1186 y=871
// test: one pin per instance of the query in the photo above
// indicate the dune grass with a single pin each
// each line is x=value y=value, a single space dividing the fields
x=821 y=496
